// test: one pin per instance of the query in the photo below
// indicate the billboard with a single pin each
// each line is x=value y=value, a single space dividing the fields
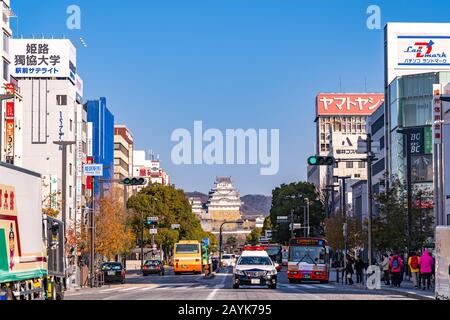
x=345 y=146
x=43 y=58
x=413 y=48
x=363 y=104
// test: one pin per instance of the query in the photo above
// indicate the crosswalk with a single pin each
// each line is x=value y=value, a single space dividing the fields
x=119 y=290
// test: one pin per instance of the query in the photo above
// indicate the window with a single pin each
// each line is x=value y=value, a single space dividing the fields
x=381 y=143
x=361 y=165
x=349 y=165
x=5 y=70
x=61 y=100
x=70 y=168
x=70 y=125
x=70 y=191
x=6 y=42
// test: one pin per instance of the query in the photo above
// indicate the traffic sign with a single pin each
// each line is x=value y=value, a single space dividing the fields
x=152 y=220
x=93 y=170
x=205 y=242
x=153 y=231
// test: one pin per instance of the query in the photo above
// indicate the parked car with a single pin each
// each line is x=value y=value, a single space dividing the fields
x=153 y=267
x=228 y=260
x=113 y=272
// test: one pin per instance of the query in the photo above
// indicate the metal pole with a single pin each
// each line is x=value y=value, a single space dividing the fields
x=305 y=222
x=125 y=197
x=142 y=240
x=92 y=212
x=292 y=223
x=409 y=187
x=369 y=193
x=220 y=245
x=307 y=214
x=64 y=185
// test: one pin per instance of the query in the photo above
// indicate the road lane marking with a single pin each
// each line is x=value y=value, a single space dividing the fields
x=213 y=293
x=129 y=289
x=148 y=288
x=307 y=286
x=109 y=290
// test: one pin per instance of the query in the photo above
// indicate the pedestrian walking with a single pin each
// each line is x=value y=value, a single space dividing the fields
x=396 y=265
x=349 y=270
x=413 y=264
x=385 y=268
x=426 y=269
x=359 y=268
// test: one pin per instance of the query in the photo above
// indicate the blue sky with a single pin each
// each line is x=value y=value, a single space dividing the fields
x=231 y=64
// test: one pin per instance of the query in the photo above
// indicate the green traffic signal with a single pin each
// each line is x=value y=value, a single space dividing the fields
x=312 y=161
x=321 y=161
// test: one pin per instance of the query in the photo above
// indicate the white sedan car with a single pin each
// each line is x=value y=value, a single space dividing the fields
x=228 y=260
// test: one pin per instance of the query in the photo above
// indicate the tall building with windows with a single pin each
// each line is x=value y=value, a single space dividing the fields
x=341 y=118
x=149 y=168
x=123 y=152
x=52 y=112
x=11 y=112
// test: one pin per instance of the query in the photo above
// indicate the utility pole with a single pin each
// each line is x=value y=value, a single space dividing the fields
x=344 y=215
x=292 y=223
x=64 y=145
x=407 y=134
x=370 y=195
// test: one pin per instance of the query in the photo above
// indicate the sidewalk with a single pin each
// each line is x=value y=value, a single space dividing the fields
x=406 y=288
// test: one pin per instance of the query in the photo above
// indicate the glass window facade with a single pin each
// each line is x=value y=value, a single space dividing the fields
x=410 y=105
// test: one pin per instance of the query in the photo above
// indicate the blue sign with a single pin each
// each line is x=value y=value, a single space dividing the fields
x=205 y=242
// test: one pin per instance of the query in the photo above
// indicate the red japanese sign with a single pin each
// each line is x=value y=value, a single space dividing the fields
x=363 y=104
x=10 y=88
x=9 y=110
x=89 y=160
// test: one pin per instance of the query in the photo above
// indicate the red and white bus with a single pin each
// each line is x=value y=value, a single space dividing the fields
x=309 y=259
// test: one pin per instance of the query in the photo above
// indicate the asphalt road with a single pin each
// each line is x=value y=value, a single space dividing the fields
x=195 y=287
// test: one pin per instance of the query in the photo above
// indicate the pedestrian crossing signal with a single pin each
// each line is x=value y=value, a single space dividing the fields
x=321 y=161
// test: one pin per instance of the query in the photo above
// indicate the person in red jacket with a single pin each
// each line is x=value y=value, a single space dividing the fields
x=396 y=266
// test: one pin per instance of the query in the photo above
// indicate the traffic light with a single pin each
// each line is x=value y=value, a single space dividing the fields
x=134 y=181
x=321 y=161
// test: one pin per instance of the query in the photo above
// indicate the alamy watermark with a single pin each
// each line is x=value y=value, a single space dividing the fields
x=74 y=19
x=213 y=147
x=374 y=20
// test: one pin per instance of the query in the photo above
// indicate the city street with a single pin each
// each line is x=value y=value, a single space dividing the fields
x=194 y=287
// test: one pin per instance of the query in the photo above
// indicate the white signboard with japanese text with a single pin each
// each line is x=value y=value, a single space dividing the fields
x=93 y=170
x=43 y=58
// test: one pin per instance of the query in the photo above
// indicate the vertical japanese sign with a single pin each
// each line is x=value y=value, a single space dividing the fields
x=54 y=191
x=9 y=132
x=9 y=137
x=437 y=114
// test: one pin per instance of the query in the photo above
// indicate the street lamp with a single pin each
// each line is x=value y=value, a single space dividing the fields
x=220 y=236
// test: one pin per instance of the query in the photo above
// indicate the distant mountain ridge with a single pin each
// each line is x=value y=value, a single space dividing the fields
x=254 y=204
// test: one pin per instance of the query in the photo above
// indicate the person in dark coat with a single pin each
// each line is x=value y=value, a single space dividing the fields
x=349 y=270
x=359 y=268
